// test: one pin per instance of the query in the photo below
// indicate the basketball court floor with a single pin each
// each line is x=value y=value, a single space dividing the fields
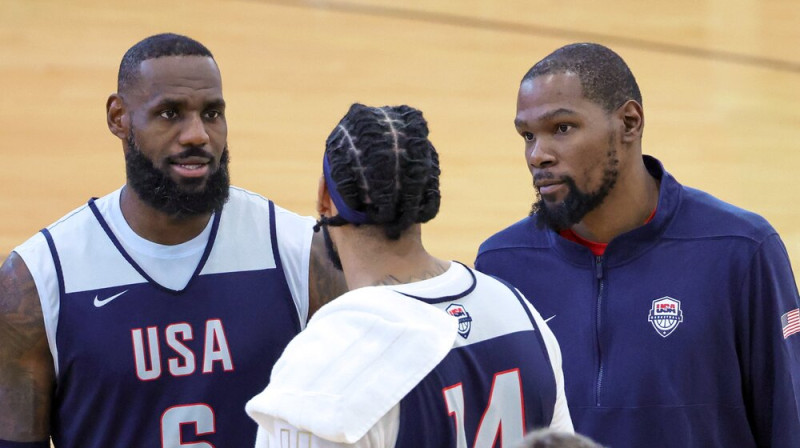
x=720 y=80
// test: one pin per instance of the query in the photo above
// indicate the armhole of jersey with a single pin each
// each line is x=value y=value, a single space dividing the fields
x=301 y=316
x=560 y=421
x=50 y=305
x=539 y=334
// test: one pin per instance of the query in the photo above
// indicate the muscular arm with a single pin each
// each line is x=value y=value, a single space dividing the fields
x=325 y=282
x=27 y=374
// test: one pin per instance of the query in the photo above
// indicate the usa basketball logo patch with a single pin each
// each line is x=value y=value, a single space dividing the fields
x=464 y=320
x=665 y=315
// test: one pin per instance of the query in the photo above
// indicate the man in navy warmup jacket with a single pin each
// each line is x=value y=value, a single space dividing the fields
x=677 y=314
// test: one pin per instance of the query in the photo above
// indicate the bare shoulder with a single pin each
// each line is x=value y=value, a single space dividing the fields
x=26 y=367
x=325 y=282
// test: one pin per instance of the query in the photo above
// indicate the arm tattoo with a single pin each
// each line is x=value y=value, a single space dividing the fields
x=27 y=374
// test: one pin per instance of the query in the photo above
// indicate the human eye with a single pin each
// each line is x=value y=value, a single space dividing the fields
x=169 y=114
x=213 y=114
x=528 y=136
x=563 y=128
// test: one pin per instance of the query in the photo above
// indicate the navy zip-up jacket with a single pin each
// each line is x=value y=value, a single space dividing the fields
x=675 y=336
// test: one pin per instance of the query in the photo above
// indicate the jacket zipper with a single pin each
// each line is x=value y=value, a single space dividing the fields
x=599 y=275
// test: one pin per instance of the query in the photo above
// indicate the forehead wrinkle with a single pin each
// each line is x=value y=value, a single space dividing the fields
x=176 y=74
x=545 y=116
x=561 y=111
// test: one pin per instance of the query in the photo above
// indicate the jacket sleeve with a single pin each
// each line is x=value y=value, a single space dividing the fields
x=771 y=348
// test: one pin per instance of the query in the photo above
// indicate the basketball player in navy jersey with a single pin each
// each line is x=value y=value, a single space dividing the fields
x=422 y=352
x=148 y=317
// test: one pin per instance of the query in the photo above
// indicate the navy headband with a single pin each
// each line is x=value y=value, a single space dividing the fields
x=350 y=215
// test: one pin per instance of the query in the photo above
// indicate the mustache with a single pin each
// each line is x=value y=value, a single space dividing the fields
x=547 y=175
x=192 y=151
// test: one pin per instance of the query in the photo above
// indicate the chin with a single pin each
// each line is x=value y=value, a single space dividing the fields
x=191 y=185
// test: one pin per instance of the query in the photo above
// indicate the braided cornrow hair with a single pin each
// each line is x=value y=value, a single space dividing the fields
x=384 y=168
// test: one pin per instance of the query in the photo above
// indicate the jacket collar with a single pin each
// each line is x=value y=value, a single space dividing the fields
x=631 y=244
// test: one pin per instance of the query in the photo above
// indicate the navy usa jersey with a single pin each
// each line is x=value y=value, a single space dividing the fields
x=140 y=364
x=460 y=360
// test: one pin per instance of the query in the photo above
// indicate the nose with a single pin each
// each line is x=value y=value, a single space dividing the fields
x=194 y=131
x=539 y=154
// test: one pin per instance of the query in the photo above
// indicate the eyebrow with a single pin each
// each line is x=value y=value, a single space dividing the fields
x=169 y=103
x=546 y=116
x=173 y=103
x=216 y=104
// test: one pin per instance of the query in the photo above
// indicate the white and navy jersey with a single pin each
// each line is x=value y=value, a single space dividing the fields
x=150 y=352
x=459 y=360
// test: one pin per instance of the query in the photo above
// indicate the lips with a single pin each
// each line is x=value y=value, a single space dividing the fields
x=549 y=189
x=194 y=166
x=547 y=184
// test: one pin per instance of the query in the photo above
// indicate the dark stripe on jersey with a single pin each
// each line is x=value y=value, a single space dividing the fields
x=273 y=234
x=447 y=298
x=52 y=245
x=118 y=245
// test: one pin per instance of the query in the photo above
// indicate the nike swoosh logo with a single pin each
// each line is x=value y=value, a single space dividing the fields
x=98 y=303
x=549 y=318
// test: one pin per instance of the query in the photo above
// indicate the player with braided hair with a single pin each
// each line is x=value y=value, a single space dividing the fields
x=421 y=352
x=392 y=173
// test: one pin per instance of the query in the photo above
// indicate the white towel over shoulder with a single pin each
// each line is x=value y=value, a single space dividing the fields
x=358 y=357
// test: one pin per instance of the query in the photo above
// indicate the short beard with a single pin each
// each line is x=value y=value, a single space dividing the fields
x=333 y=254
x=577 y=203
x=159 y=191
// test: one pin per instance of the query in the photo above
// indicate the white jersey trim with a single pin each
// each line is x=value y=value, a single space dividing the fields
x=36 y=254
x=294 y=244
x=562 y=421
x=79 y=236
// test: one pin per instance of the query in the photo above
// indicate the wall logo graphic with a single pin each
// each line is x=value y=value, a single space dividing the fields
x=665 y=315
x=464 y=320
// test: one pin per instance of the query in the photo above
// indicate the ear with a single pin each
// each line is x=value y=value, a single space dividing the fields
x=325 y=206
x=632 y=116
x=117 y=116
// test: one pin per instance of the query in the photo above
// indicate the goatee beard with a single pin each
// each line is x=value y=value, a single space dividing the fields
x=161 y=192
x=576 y=204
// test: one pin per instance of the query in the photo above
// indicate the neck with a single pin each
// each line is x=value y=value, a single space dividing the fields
x=627 y=206
x=156 y=226
x=369 y=259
